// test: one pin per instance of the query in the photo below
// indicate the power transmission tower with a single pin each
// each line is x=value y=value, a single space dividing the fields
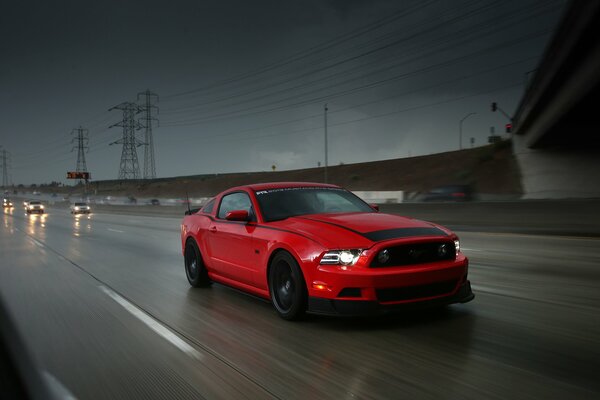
x=82 y=147
x=129 y=167
x=5 y=165
x=149 y=165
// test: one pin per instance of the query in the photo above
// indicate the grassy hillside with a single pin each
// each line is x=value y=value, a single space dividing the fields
x=490 y=169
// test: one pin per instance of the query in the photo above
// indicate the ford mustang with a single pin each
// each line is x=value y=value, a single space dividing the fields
x=318 y=248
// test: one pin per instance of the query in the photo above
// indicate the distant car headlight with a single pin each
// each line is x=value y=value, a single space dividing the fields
x=457 y=246
x=76 y=208
x=42 y=207
x=341 y=257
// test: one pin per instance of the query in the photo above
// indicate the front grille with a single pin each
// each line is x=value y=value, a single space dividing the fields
x=415 y=253
x=415 y=292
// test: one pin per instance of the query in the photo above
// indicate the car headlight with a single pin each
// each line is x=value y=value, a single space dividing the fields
x=457 y=246
x=76 y=208
x=341 y=257
x=42 y=207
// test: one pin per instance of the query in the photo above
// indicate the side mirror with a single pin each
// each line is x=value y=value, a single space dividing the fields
x=237 y=215
x=374 y=206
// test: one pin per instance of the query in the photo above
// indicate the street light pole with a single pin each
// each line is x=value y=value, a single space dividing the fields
x=460 y=124
x=326 y=155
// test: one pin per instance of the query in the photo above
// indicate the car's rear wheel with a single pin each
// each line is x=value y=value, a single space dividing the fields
x=195 y=269
x=287 y=287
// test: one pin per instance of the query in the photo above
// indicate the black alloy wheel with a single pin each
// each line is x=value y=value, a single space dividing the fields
x=195 y=270
x=287 y=287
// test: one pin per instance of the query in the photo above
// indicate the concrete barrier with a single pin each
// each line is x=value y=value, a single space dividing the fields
x=550 y=217
x=381 y=197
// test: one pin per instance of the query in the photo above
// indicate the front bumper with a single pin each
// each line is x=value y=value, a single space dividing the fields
x=324 y=306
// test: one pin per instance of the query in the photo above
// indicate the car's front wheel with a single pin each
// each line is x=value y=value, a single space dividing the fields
x=287 y=287
x=195 y=270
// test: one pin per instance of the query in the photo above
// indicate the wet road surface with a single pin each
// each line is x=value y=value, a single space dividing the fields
x=103 y=303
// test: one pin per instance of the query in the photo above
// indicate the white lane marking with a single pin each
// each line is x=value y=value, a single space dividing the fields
x=467 y=249
x=36 y=242
x=153 y=324
x=115 y=230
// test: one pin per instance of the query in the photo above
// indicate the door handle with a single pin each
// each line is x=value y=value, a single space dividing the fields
x=212 y=229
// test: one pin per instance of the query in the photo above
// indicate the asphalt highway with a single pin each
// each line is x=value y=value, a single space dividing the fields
x=103 y=304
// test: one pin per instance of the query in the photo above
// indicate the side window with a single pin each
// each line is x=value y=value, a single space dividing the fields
x=208 y=207
x=235 y=201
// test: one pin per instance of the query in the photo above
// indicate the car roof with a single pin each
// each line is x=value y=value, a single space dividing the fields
x=280 y=185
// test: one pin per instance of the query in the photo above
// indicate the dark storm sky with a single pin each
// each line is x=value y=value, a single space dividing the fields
x=242 y=84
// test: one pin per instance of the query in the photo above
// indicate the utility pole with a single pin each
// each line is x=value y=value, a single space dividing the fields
x=326 y=152
x=149 y=164
x=129 y=167
x=5 y=165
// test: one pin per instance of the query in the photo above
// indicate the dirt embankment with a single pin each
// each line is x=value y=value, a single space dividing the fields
x=489 y=169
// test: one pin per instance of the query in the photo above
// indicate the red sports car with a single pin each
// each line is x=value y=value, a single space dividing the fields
x=319 y=248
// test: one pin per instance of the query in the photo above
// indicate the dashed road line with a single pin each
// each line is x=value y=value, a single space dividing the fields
x=153 y=324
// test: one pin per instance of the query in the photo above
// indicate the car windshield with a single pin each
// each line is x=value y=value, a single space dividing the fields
x=281 y=203
x=34 y=203
x=80 y=204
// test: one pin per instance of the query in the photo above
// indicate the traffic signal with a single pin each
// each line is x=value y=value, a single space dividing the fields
x=494 y=106
x=508 y=128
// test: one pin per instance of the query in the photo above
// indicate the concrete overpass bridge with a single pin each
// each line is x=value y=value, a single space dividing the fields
x=557 y=124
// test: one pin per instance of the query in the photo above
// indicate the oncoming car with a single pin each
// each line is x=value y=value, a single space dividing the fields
x=34 y=207
x=319 y=248
x=6 y=203
x=80 y=208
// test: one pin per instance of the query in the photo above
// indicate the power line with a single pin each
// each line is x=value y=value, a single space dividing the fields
x=387 y=98
x=313 y=50
x=344 y=92
x=406 y=38
x=319 y=128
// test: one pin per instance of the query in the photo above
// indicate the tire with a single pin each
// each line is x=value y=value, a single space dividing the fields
x=287 y=287
x=195 y=270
